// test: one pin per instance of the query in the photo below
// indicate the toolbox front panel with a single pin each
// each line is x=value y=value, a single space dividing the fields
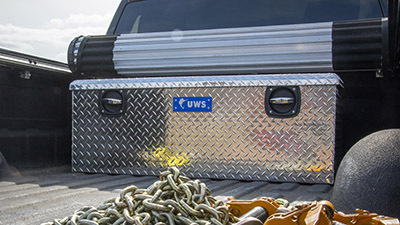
x=236 y=140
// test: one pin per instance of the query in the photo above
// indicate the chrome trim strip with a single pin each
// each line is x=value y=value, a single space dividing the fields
x=208 y=81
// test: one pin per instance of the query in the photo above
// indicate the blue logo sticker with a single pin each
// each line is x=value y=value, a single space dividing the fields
x=192 y=104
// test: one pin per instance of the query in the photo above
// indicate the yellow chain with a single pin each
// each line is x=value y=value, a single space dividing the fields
x=174 y=199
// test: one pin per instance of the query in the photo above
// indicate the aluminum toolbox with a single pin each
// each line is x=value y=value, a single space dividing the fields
x=225 y=127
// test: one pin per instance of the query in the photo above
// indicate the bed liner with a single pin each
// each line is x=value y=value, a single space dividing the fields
x=38 y=196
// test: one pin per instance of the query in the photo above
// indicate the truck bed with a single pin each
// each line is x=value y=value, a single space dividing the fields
x=37 y=196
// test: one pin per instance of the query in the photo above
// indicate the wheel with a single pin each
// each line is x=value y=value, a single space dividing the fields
x=369 y=175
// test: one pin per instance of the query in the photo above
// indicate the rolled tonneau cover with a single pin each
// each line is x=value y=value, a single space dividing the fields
x=314 y=47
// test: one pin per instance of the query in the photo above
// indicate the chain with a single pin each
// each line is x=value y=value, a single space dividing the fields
x=174 y=199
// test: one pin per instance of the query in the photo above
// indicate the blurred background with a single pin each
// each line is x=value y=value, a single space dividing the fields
x=45 y=27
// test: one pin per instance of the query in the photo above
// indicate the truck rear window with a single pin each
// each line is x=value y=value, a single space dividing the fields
x=167 y=15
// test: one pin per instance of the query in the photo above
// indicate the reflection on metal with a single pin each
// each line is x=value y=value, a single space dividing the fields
x=237 y=140
x=281 y=100
x=112 y=101
x=168 y=158
x=270 y=49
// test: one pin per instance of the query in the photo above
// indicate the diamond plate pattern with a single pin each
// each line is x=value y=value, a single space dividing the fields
x=235 y=141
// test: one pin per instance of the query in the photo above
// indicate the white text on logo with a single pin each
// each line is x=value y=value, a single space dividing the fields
x=196 y=104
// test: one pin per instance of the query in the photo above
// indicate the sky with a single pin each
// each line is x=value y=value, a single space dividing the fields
x=45 y=28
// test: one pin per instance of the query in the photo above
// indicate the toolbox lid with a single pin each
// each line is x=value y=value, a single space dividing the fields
x=208 y=81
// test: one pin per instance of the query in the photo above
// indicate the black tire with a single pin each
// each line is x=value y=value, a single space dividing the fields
x=369 y=175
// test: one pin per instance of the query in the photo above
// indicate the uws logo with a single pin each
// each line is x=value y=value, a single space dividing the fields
x=197 y=104
x=181 y=101
x=192 y=104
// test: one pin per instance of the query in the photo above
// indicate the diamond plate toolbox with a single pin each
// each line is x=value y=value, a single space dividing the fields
x=208 y=126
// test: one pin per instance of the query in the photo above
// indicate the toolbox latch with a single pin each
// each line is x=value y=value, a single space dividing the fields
x=112 y=102
x=282 y=102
